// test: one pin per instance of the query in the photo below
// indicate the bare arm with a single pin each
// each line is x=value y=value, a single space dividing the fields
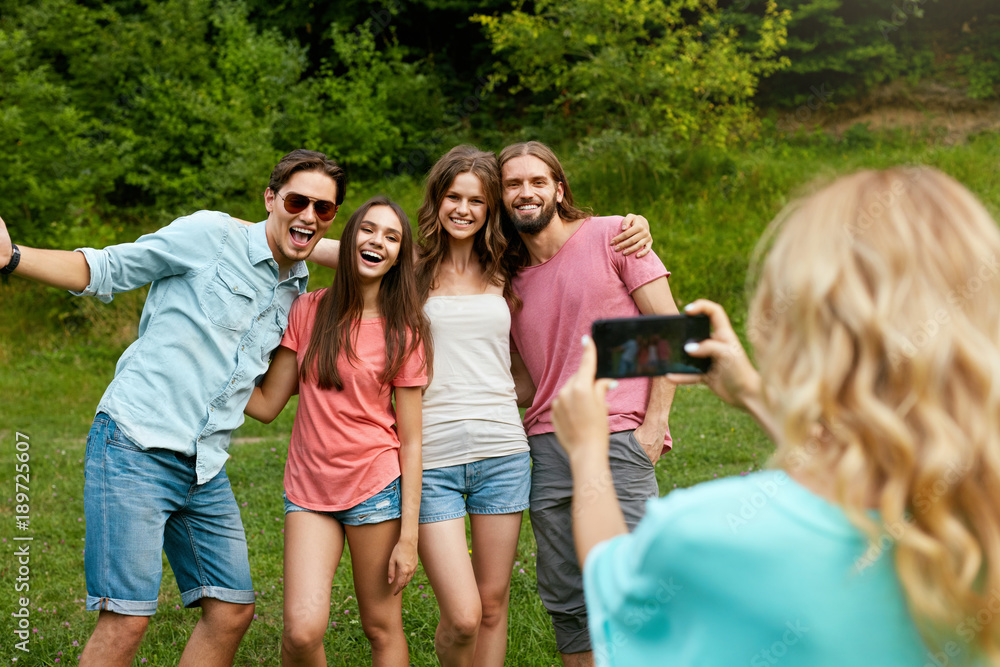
x=580 y=418
x=523 y=385
x=280 y=382
x=654 y=298
x=65 y=269
x=403 y=561
x=326 y=253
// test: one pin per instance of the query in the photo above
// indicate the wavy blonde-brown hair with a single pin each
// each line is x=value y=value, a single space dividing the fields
x=489 y=243
x=876 y=327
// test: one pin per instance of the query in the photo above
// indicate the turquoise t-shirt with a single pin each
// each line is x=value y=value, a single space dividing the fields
x=756 y=571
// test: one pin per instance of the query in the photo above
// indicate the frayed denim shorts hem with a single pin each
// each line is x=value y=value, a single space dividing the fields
x=499 y=485
x=385 y=505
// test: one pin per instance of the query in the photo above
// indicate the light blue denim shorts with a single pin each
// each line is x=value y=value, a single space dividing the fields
x=385 y=505
x=139 y=503
x=498 y=485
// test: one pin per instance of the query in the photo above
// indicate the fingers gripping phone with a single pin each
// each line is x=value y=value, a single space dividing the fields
x=649 y=345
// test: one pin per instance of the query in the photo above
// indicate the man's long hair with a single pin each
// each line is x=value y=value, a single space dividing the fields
x=517 y=254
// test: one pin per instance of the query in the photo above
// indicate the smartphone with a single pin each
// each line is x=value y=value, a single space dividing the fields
x=649 y=345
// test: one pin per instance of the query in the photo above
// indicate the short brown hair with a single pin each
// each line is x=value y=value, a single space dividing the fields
x=304 y=160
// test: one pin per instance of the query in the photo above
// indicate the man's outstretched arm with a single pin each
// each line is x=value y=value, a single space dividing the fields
x=59 y=268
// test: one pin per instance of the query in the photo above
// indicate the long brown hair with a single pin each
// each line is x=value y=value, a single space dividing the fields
x=339 y=311
x=517 y=253
x=489 y=243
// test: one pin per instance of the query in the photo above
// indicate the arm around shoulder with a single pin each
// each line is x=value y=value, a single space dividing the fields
x=326 y=253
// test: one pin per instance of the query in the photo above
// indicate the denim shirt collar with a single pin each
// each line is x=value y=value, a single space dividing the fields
x=259 y=251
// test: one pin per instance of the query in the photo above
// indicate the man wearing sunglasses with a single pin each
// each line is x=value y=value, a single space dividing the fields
x=154 y=474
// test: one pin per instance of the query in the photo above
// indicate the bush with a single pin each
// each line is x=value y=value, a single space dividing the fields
x=667 y=68
x=129 y=114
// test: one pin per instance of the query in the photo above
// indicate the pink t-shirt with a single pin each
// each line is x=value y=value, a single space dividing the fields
x=586 y=280
x=344 y=447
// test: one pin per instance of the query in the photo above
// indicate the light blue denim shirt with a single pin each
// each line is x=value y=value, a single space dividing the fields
x=215 y=312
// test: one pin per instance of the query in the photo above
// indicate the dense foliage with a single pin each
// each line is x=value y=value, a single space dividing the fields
x=850 y=46
x=129 y=112
x=639 y=68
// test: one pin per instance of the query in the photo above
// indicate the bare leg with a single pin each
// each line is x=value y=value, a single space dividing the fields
x=217 y=634
x=313 y=546
x=494 y=546
x=381 y=611
x=114 y=641
x=444 y=553
x=585 y=659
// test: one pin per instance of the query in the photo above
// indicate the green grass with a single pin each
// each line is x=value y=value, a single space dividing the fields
x=57 y=354
x=55 y=393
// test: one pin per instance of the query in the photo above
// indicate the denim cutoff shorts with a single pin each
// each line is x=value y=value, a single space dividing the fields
x=141 y=502
x=498 y=485
x=385 y=505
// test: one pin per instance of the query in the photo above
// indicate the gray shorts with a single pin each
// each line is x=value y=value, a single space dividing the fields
x=560 y=582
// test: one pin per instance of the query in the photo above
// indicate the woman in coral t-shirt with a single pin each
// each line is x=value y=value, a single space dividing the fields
x=354 y=462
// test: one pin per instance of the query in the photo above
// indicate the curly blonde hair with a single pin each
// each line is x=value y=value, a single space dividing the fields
x=876 y=327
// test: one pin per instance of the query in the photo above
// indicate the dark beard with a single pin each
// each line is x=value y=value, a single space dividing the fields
x=533 y=226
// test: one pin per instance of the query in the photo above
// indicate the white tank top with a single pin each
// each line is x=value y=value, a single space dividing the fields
x=470 y=408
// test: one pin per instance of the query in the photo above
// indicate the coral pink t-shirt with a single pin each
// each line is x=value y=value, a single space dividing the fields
x=585 y=280
x=344 y=447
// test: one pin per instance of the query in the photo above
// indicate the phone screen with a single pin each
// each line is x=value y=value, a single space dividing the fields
x=649 y=345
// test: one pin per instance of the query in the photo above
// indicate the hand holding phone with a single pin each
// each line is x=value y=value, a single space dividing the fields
x=649 y=345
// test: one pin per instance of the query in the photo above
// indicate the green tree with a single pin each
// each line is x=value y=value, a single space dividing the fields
x=666 y=68
x=110 y=116
x=140 y=111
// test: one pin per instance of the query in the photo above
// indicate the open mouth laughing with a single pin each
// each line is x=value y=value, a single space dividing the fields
x=301 y=236
x=371 y=257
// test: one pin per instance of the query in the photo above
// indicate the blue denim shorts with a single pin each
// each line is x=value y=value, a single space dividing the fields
x=139 y=503
x=498 y=485
x=385 y=505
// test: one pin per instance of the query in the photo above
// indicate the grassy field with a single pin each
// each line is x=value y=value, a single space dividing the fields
x=58 y=354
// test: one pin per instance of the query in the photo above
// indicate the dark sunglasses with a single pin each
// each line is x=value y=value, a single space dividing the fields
x=296 y=203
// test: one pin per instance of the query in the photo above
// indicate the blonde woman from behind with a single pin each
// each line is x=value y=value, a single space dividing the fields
x=875 y=538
